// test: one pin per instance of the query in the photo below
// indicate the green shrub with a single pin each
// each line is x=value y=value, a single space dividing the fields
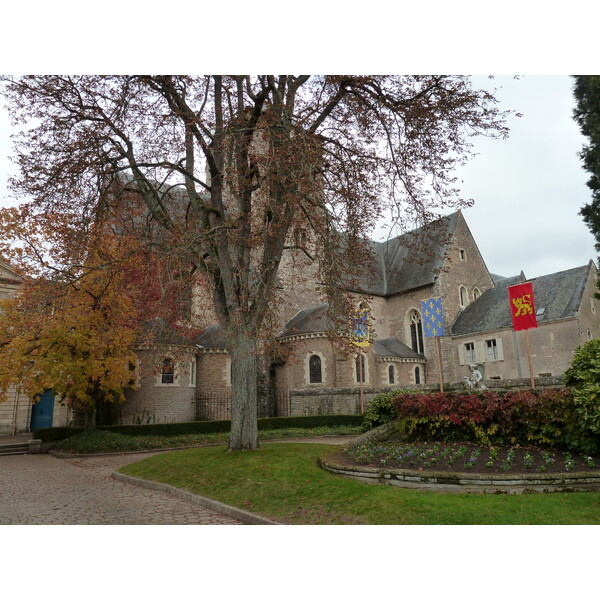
x=546 y=417
x=380 y=410
x=308 y=421
x=583 y=375
x=171 y=428
x=54 y=434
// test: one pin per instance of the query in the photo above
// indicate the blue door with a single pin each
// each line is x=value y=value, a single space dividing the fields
x=43 y=410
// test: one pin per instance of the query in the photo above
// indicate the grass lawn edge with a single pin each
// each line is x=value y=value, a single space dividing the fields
x=286 y=485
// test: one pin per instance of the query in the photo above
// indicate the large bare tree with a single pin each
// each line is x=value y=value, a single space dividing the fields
x=235 y=169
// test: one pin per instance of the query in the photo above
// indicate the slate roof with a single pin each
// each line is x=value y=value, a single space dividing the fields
x=393 y=347
x=314 y=320
x=162 y=333
x=559 y=294
x=211 y=337
x=411 y=260
x=310 y=320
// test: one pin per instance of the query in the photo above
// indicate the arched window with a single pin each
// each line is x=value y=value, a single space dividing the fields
x=391 y=375
x=315 y=373
x=416 y=332
x=417 y=375
x=464 y=296
x=476 y=293
x=361 y=368
x=462 y=254
x=167 y=371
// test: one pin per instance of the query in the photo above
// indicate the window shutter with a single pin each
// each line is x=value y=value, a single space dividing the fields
x=499 y=348
x=461 y=354
x=480 y=350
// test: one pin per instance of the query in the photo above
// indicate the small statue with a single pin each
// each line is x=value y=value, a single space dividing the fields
x=475 y=377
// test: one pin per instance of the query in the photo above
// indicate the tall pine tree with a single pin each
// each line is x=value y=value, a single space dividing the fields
x=587 y=116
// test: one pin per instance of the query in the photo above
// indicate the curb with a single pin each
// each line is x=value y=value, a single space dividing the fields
x=244 y=516
x=467 y=482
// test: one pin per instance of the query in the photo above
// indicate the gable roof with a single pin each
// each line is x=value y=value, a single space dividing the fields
x=559 y=294
x=411 y=260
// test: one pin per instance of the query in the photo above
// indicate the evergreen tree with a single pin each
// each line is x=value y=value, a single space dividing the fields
x=587 y=116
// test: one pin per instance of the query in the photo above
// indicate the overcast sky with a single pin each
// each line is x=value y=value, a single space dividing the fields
x=528 y=189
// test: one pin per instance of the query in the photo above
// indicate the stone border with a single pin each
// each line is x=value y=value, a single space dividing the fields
x=231 y=511
x=459 y=482
x=468 y=482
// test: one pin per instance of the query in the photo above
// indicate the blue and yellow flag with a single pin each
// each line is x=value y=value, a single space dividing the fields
x=360 y=323
x=432 y=315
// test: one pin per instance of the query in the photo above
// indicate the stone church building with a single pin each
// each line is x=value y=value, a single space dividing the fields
x=310 y=376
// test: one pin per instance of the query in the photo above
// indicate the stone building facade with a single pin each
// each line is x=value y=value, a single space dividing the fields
x=439 y=260
x=182 y=380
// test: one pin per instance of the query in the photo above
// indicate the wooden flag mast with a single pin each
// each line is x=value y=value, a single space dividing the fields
x=362 y=383
x=439 y=361
x=531 y=378
x=361 y=339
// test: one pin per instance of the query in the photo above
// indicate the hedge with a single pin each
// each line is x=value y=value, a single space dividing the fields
x=53 y=434
x=545 y=417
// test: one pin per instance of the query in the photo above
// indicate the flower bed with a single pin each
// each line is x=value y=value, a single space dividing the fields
x=466 y=457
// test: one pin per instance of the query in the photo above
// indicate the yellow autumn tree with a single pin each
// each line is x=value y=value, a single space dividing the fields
x=74 y=335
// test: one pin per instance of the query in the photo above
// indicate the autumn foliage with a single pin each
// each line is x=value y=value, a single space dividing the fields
x=233 y=172
x=73 y=335
x=528 y=417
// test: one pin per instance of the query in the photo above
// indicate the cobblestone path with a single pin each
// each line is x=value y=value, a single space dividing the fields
x=39 y=489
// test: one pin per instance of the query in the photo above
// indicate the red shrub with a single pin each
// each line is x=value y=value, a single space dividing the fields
x=542 y=417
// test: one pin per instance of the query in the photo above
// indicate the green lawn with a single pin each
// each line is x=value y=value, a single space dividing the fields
x=284 y=482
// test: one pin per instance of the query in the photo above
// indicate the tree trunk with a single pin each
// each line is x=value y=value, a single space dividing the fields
x=244 y=429
x=89 y=420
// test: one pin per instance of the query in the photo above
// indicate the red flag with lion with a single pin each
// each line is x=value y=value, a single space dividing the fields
x=522 y=307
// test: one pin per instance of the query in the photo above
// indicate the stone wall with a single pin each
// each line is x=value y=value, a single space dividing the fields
x=346 y=401
x=154 y=402
x=342 y=401
x=214 y=371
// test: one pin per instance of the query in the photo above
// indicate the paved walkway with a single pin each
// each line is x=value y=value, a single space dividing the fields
x=39 y=489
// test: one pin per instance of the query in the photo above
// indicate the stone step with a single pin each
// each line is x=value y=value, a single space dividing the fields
x=14 y=449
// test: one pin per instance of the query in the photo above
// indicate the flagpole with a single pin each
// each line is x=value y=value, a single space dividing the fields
x=362 y=384
x=439 y=358
x=531 y=378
